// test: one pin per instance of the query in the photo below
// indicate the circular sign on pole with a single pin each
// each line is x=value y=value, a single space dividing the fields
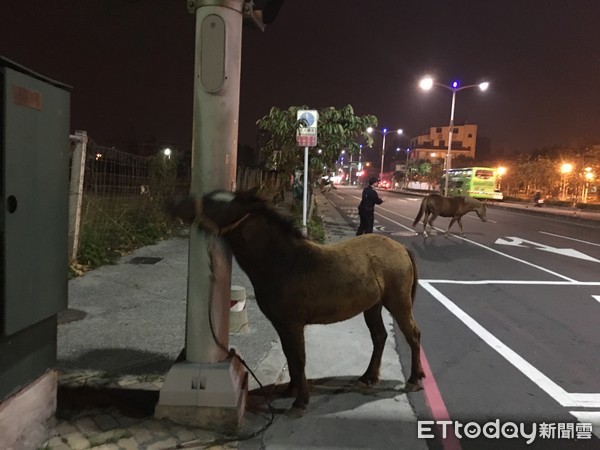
x=310 y=117
x=306 y=135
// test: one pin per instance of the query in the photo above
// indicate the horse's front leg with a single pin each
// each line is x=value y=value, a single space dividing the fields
x=292 y=342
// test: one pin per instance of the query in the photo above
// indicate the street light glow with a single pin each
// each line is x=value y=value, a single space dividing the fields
x=483 y=86
x=426 y=83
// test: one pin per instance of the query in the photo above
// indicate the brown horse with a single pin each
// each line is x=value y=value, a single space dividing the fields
x=298 y=282
x=435 y=205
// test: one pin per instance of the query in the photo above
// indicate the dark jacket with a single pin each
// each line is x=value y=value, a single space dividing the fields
x=369 y=199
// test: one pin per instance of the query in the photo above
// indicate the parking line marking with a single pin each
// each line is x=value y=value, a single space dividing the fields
x=564 y=398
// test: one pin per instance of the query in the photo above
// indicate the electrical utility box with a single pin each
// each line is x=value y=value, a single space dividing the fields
x=34 y=182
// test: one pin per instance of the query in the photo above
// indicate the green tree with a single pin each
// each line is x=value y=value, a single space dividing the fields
x=338 y=129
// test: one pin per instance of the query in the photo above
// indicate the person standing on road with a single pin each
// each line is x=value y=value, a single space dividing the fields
x=366 y=208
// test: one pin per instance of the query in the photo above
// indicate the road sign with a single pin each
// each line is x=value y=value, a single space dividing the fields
x=306 y=135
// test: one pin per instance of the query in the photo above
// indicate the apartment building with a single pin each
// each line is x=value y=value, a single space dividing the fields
x=433 y=142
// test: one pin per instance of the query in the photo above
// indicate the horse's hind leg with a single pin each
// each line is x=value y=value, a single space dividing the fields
x=432 y=217
x=402 y=313
x=452 y=223
x=374 y=321
x=425 y=220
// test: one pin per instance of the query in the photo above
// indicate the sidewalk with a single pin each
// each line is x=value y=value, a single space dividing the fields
x=126 y=326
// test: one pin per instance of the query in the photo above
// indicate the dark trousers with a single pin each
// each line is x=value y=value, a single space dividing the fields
x=367 y=219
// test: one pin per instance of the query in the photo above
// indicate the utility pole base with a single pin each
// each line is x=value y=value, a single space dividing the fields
x=205 y=395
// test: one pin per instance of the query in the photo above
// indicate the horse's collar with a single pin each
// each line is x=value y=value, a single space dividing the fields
x=210 y=225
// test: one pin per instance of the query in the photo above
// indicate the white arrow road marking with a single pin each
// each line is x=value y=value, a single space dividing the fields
x=518 y=242
x=597 y=297
x=515 y=242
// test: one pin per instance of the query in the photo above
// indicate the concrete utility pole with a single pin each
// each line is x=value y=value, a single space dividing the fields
x=209 y=388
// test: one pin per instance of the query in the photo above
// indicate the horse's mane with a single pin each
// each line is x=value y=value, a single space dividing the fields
x=286 y=224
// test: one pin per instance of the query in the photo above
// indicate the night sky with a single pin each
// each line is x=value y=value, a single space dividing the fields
x=130 y=63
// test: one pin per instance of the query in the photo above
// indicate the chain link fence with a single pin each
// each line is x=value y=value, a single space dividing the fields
x=122 y=198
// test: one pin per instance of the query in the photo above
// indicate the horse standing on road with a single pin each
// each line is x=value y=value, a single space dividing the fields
x=298 y=282
x=435 y=205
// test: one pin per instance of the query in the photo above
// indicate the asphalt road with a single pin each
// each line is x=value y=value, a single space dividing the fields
x=509 y=315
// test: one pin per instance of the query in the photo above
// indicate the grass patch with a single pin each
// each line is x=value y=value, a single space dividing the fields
x=111 y=229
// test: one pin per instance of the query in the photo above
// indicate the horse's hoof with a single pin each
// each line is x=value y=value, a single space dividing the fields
x=412 y=387
x=368 y=381
x=295 y=412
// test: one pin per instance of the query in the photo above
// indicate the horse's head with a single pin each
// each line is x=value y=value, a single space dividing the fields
x=216 y=212
x=473 y=204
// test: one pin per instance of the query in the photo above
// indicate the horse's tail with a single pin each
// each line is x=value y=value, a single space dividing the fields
x=415 y=275
x=421 y=211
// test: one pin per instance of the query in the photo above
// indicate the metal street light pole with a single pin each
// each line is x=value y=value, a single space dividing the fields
x=384 y=132
x=449 y=152
x=382 y=156
x=426 y=84
x=406 y=169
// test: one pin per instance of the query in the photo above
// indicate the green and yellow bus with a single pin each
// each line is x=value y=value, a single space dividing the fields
x=476 y=182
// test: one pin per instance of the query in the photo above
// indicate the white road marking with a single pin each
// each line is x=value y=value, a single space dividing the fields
x=518 y=242
x=570 y=238
x=592 y=417
x=393 y=221
x=596 y=297
x=564 y=398
x=516 y=259
x=525 y=282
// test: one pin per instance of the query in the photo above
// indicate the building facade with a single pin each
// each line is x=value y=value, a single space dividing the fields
x=433 y=142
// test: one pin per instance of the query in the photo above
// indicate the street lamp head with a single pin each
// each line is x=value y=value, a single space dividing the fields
x=483 y=86
x=399 y=131
x=426 y=83
x=385 y=130
x=566 y=168
x=454 y=84
x=370 y=130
